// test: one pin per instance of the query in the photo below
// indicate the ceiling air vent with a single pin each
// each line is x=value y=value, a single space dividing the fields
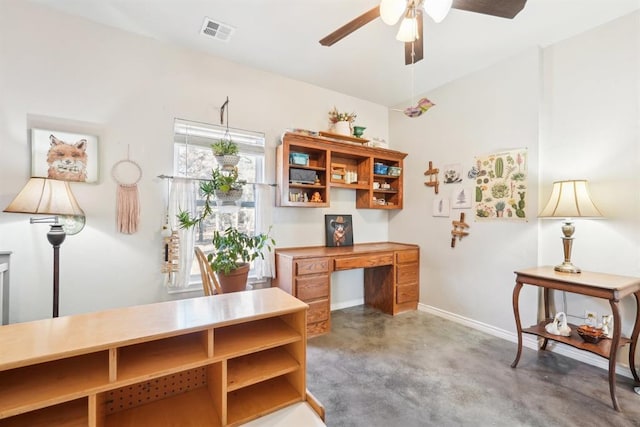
x=217 y=30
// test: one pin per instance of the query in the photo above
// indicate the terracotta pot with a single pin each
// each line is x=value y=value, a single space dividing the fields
x=235 y=281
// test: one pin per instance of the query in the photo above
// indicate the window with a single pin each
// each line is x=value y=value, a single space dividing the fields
x=193 y=158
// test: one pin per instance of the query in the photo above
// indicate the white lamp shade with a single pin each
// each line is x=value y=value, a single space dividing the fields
x=392 y=10
x=45 y=196
x=437 y=9
x=408 y=31
x=570 y=199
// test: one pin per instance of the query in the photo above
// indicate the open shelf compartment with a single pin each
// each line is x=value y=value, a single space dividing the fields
x=49 y=383
x=68 y=414
x=259 y=399
x=162 y=356
x=261 y=366
x=252 y=336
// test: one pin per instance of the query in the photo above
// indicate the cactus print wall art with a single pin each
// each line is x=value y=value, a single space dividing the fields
x=501 y=186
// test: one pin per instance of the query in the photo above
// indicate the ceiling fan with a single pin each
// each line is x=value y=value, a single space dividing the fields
x=410 y=30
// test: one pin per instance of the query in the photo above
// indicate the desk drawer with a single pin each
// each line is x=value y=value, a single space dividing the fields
x=309 y=288
x=406 y=293
x=406 y=274
x=363 y=261
x=318 y=311
x=404 y=257
x=312 y=266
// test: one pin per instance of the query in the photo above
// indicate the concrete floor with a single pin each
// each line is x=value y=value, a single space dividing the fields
x=417 y=369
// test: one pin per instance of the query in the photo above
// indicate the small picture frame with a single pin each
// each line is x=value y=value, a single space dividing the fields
x=441 y=207
x=338 y=230
x=461 y=198
x=64 y=156
x=452 y=173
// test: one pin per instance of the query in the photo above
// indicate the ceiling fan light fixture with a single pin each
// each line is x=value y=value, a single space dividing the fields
x=392 y=10
x=437 y=9
x=408 y=31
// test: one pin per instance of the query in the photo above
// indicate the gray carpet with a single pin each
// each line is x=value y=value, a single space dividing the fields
x=416 y=369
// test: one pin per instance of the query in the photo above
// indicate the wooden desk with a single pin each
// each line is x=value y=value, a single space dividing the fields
x=391 y=277
x=599 y=285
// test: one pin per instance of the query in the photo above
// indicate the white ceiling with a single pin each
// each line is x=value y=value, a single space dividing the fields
x=281 y=36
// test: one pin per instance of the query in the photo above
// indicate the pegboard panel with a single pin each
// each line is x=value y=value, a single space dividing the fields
x=159 y=388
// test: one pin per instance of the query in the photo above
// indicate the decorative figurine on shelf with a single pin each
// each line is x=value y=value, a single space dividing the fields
x=559 y=325
x=607 y=325
x=317 y=181
x=316 y=197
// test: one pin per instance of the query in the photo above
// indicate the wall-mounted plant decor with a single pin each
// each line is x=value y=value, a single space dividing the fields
x=501 y=186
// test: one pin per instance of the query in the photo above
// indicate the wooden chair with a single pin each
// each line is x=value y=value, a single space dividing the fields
x=209 y=282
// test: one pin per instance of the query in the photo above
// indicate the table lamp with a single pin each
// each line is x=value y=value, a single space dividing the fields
x=569 y=199
x=48 y=197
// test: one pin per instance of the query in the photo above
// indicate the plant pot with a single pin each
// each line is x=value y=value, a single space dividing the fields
x=235 y=281
x=342 y=128
x=228 y=161
x=228 y=196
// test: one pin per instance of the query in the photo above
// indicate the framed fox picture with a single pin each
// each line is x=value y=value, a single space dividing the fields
x=64 y=156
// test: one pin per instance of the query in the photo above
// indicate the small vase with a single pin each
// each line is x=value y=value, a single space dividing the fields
x=358 y=131
x=342 y=128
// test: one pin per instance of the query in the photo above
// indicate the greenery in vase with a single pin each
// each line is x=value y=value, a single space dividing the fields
x=336 y=116
x=224 y=147
x=224 y=181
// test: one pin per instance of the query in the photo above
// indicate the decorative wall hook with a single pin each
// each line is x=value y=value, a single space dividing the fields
x=458 y=230
x=433 y=177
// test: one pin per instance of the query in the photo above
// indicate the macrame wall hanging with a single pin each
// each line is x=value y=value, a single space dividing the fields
x=127 y=173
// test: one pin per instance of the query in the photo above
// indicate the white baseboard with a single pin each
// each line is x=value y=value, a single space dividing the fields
x=529 y=341
x=347 y=304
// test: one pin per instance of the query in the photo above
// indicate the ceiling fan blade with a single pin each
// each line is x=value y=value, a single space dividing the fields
x=502 y=8
x=418 y=45
x=350 y=27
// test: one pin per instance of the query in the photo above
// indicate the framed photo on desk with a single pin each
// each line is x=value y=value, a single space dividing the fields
x=338 y=230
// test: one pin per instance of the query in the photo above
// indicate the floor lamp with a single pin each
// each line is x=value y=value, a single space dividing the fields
x=48 y=197
x=569 y=199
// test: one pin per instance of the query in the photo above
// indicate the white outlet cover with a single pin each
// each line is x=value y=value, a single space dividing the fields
x=590 y=318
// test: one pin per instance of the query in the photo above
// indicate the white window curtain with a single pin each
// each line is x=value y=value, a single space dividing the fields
x=182 y=198
x=264 y=219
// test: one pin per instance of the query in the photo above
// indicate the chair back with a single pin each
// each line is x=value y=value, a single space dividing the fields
x=210 y=284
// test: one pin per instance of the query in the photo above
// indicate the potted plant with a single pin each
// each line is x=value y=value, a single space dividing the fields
x=225 y=185
x=341 y=121
x=226 y=153
x=233 y=251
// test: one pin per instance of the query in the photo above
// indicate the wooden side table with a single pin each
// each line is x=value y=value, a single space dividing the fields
x=599 y=285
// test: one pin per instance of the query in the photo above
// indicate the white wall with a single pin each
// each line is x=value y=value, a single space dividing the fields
x=576 y=106
x=483 y=113
x=63 y=72
x=591 y=131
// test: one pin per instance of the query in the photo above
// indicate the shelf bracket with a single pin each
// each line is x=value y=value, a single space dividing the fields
x=458 y=230
x=432 y=173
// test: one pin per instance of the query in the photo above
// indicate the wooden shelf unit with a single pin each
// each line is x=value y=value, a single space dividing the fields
x=602 y=348
x=209 y=361
x=325 y=154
